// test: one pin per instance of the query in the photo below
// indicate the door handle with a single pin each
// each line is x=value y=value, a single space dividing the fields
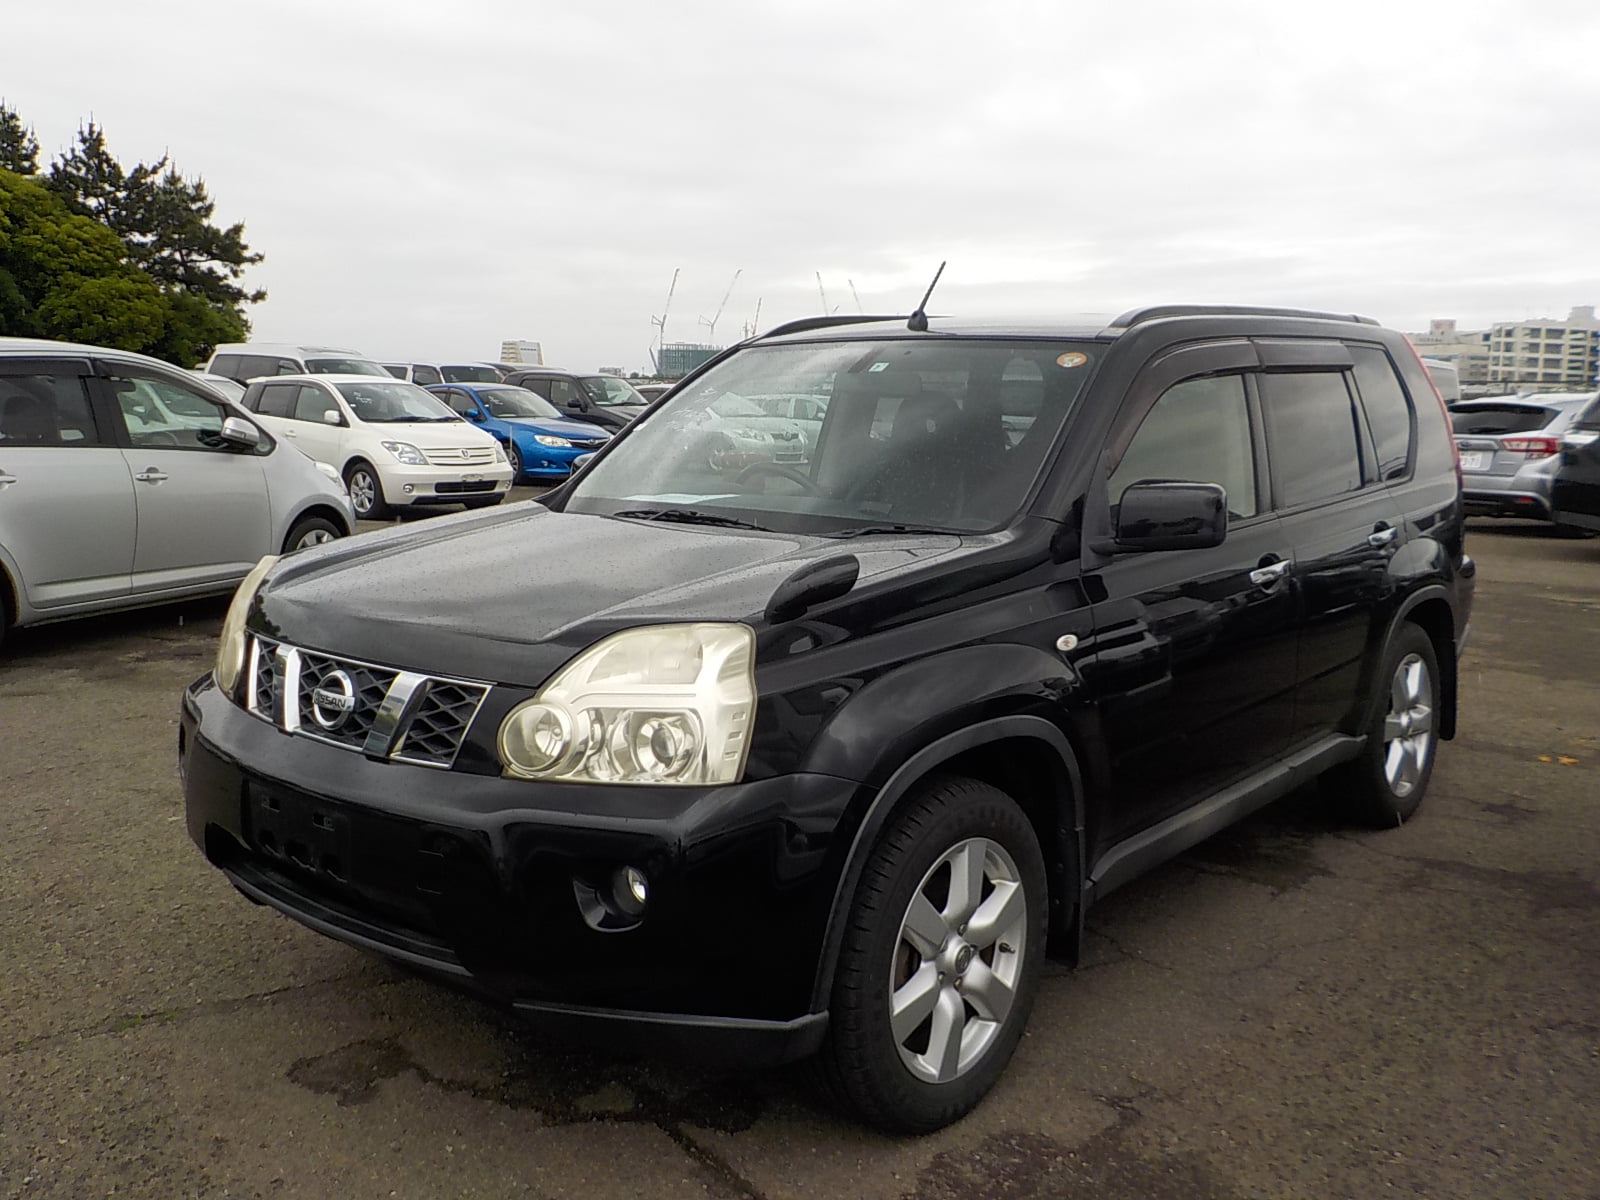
x=1270 y=575
x=151 y=475
x=6 y=480
x=290 y=433
x=1382 y=536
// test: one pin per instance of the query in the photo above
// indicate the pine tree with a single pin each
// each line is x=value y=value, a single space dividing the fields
x=19 y=149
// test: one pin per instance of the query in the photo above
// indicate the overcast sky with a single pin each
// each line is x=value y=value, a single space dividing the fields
x=427 y=179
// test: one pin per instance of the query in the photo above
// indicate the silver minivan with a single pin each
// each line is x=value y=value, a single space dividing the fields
x=124 y=481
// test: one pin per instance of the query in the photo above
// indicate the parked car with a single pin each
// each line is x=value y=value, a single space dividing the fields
x=1575 y=492
x=393 y=444
x=599 y=399
x=731 y=433
x=428 y=374
x=1510 y=449
x=1446 y=378
x=651 y=391
x=124 y=482
x=244 y=361
x=538 y=440
x=826 y=759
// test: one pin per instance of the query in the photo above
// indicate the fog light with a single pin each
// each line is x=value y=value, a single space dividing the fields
x=630 y=891
x=409 y=488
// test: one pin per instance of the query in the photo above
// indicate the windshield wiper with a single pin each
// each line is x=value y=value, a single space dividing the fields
x=688 y=516
x=873 y=530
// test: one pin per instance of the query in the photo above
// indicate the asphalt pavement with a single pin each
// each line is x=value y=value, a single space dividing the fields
x=1293 y=1009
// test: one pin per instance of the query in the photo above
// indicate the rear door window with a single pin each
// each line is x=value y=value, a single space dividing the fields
x=46 y=410
x=425 y=376
x=276 y=400
x=1313 y=443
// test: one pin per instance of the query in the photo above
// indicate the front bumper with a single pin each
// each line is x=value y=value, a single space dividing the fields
x=403 y=484
x=477 y=879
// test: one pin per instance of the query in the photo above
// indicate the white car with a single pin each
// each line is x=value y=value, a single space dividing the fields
x=244 y=361
x=124 y=482
x=392 y=443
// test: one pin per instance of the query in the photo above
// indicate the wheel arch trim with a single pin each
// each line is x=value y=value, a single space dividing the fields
x=1070 y=832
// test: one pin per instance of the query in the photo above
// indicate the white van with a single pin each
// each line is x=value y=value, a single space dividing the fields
x=394 y=444
x=244 y=361
x=1445 y=377
x=427 y=374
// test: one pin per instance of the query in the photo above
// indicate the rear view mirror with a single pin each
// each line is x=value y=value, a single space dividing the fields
x=1164 y=515
x=330 y=416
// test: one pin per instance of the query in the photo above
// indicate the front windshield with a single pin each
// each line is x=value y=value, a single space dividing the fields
x=515 y=402
x=839 y=436
x=346 y=366
x=386 y=403
x=469 y=373
x=608 y=390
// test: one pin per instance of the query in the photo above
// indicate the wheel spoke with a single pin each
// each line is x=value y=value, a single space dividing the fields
x=987 y=992
x=924 y=926
x=1393 y=727
x=1409 y=772
x=1421 y=719
x=1399 y=691
x=966 y=883
x=913 y=1001
x=944 y=1038
x=1005 y=906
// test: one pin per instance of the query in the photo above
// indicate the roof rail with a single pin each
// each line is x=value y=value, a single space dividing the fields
x=805 y=324
x=1138 y=316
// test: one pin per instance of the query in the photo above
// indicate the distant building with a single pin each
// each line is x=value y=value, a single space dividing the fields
x=674 y=360
x=531 y=353
x=1466 y=350
x=617 y=371
x=1546 y=355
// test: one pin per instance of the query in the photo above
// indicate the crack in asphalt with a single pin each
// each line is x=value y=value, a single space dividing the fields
x=565 y=1088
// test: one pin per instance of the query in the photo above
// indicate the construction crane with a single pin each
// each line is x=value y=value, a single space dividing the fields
x=711 y=325
x=855 y=296
x=661 y=322
x=754 y=327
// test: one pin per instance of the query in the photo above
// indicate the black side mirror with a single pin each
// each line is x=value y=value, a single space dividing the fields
x=1167 y=515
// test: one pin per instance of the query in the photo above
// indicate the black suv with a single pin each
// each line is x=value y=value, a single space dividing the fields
x=825 y=759
x=602 y=400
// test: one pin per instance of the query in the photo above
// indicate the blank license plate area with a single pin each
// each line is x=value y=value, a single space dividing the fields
x=1475 y=460
x=299 y=830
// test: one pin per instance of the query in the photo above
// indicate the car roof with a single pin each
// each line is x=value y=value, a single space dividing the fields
x=15 y=347
x=330 y=377
x=1249 y=319
x=286 y=348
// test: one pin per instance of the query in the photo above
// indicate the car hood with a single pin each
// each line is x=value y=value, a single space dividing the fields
x=430 y=435
x=509 y=595
x=558 y=426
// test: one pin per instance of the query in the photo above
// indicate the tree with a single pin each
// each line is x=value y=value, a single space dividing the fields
x=19 y=149
x=63 y=275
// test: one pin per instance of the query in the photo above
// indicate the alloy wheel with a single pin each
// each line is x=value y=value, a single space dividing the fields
x=1408 y=727
x=958 y=960
x=363 y=492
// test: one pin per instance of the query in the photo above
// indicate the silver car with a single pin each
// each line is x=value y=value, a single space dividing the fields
x=124 y=481
x=1510 y=448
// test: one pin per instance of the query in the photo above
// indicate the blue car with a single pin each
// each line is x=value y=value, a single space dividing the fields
x=539 y=441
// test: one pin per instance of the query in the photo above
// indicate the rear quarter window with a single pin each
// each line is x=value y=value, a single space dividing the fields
x=1388 y=409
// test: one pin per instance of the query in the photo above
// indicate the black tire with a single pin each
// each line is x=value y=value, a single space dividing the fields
x=5 y=609
x=1383 y=786
x=880 y=1075
x=514 y=456
x=366 y=491
x=310 y=531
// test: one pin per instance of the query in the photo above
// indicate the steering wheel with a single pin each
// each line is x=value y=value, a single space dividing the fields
x=773 y=468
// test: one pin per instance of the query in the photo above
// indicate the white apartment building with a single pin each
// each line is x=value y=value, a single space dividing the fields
x=1545 y=355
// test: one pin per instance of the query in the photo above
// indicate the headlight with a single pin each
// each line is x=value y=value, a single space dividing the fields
x=230 y=647
x=500 y=453
x=407 y=453
x=546 y=440
x=661 y=704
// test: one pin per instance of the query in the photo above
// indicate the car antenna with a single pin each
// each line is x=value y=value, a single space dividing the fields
x=918 y=321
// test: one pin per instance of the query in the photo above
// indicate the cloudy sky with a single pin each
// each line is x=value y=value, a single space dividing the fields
x=428 y=178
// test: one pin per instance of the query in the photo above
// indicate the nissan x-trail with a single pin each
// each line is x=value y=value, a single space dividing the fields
x=826 y=759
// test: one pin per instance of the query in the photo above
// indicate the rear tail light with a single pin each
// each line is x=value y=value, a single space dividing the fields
x=1533 y=447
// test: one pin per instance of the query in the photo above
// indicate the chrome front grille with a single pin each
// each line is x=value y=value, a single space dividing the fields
x=377 y=711
x=457 y=456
